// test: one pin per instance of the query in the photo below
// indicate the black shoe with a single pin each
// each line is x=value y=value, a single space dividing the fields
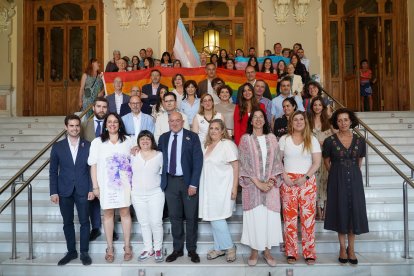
x=115 y=236
x=95 y=233
x=85 y=258
x=352 y=261
x=194 y=256
x=68 y=257
x=342 y=261
x=173 y=256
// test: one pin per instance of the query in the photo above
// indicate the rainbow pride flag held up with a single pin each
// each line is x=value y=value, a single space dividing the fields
x=233 y=78
x=241 y=62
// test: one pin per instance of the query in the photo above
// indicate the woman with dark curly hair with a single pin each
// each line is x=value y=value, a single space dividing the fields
x=345 y=206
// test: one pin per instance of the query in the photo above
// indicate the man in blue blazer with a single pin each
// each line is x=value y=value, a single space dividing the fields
x=151 y=92
x=136 y=121
x=116 y=99
x=71 y=184
x=183 y=161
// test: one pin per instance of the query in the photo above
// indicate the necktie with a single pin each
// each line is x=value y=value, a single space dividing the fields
x=173 y=156
x=98 y=128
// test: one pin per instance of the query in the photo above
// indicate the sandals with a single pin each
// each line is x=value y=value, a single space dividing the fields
x=310 y=261
x=128 y=255
x=231 y=254
x=291 y=260
x=214 y=254
x=109 y=256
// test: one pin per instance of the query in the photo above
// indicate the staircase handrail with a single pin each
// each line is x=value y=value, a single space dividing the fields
x=18 y=179
x=384 y=143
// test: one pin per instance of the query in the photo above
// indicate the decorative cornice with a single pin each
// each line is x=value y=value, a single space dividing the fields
x=281 y=10
x=7 y=11
x=300 y=8
x=142 y=10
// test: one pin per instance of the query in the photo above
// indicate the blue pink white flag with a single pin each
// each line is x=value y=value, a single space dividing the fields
x=184 y=48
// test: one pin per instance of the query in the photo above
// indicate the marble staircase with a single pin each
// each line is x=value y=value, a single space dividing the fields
x=379 y=251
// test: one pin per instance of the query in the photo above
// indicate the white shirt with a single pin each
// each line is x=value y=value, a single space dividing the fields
x=146 y=174
x=263 y=149
x=154 y=89
x=74 y=149
x=137 y=123
x=118 y=101
x=162 y=126
x=295 y=159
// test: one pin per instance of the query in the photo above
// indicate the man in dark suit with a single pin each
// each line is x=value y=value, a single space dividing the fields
x=71 y=184
x=205 y=86
x=116 y=99
x=183 y=161
x=151 y=92
x=251 y=78
x=125 y=108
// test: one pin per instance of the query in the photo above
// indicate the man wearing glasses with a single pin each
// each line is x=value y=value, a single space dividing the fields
x=136 y=121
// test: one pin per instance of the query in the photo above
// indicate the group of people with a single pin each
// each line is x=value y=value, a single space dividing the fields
x=192 y=148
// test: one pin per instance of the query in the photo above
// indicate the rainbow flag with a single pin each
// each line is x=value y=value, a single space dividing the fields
x=241 y=62
x=233 y=78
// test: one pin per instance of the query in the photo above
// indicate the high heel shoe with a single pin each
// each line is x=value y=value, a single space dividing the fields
x=342 y=261
x=351 y=261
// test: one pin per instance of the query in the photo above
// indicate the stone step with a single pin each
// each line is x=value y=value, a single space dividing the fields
x=27 y=138
x=374 y=205
x=30 y=131
x=372 y=242
x=371 y=122
x=378 y=264
x=385 y=114
x=401 y=126
x=31 y=125
x=42 y=224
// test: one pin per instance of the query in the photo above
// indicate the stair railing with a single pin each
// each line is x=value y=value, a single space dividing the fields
x=407 y=179
x=18 y=179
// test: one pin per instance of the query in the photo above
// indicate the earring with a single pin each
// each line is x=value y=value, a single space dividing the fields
x=106 y=129
x=119 y=130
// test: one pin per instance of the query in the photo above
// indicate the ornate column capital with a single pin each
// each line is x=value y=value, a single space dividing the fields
x=300 y=8
x=142 y=9
x=123 y=12
x=281 y=10
x=7 y=11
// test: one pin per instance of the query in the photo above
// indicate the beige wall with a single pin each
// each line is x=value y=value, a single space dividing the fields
x=309 y=34
x=129 y=41
x=410 y=12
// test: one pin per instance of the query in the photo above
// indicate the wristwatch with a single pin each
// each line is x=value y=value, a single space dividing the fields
x=307 y=177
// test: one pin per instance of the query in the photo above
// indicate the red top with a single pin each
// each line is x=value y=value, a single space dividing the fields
x=240 y=126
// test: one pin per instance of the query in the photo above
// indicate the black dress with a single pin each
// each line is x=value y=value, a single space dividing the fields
x=280 y=127
x=345 y=205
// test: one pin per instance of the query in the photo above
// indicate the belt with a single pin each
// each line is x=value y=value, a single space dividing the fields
x=175 y=176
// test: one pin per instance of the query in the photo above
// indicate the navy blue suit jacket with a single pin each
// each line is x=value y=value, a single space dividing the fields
x=191 y=158
x=112 y=104
x=147 y=103
x=64 y=176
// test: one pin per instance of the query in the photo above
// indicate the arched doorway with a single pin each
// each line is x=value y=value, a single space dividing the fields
x=375 y=30
x=59 y=39
x=236 y=21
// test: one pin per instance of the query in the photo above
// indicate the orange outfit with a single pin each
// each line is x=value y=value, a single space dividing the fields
x=304 y=197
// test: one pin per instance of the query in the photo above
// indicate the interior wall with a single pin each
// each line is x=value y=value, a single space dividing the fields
x=130 y=40
x=309 y=34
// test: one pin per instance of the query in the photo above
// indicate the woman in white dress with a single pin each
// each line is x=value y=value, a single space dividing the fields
x=206 y=113
x=111 y=178
x=147 y=197
x=218 y=188
x=260 y=176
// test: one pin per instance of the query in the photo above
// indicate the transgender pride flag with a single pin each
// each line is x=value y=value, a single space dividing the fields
x=184 y=48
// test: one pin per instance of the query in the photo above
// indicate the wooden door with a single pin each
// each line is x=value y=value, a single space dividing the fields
x=350 y=65
x=66 y=36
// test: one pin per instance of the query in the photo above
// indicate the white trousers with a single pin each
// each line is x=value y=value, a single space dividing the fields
x=149 y=211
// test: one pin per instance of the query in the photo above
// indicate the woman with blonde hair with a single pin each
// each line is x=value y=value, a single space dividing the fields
x=301 y=153
x=206 y=113
x=218 y=188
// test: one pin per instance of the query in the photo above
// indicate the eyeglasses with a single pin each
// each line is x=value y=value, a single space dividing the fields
x=135 y=91
x=135 y=103
x=169 y=101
